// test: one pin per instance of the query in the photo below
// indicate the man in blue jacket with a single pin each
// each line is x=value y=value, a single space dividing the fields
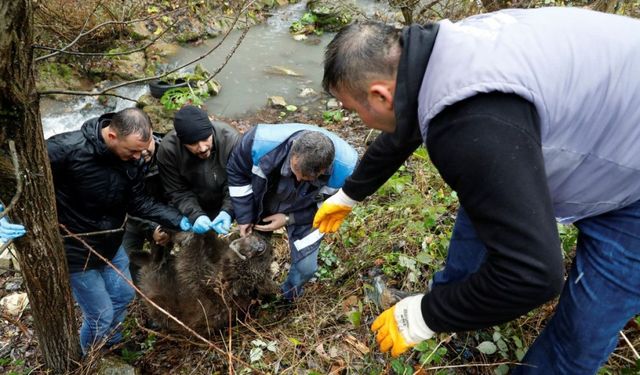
x=530 y=116
x=98 y=180
x=278 y=175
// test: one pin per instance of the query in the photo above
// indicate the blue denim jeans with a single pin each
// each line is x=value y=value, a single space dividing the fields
x=103 y=297
x=466 y=252
x=601 y=294
x=304 y=262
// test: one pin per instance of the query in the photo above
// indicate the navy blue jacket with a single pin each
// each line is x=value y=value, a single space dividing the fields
x=261 y=152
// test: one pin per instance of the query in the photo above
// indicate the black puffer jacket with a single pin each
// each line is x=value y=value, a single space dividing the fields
x=95 y=190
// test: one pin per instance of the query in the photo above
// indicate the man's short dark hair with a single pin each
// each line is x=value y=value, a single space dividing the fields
x=358 y=53
x=314 y=151
x=132 y=121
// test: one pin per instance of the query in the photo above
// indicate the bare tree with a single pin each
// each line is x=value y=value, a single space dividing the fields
x=26 y=181
x=241 y=9
x=40 y=253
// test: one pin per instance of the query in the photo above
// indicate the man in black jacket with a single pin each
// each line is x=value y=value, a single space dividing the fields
x=98 y=180
x=192 y=161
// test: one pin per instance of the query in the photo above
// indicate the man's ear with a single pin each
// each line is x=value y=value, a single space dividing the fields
x=111 y=135
x=380 y=95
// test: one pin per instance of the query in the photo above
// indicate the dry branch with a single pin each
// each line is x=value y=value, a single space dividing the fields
x=106 y=54
x=109 y=231
x=80 y=34
x=95 y=28
x=243 y=8
x=635 y=352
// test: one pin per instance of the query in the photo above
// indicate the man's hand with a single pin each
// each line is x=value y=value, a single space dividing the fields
x=160 y=237
x=245 y=229
x=275 y=221
x=332 y=212
x=9 y=231
x=222 y=223
x=401 y=327
x=202 y=224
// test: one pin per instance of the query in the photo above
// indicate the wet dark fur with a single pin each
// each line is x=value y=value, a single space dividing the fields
x=206 y=282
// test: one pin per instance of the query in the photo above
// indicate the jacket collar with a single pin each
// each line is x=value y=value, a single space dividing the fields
x=417 y=43
x=279 y=158
x=92 y=131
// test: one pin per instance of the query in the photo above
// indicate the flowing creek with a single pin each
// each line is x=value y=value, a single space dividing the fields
x=251 y=75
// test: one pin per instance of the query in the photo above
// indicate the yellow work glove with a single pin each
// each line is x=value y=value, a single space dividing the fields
x=401 y=327
x=332 y=212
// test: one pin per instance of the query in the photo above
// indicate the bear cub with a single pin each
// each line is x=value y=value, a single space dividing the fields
x=207 y=281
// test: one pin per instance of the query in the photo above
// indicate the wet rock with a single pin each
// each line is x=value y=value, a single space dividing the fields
x=146 y=100
x=59 y=76
x=281 y=71
x=332 y=15
x=312 y=41
x=307 y=92
x=112 y=365
x=212 y=30
x=129 y=66
x=190 y=29
x=161 y=118
x=276 y=102
x=161 y=49
x=139 y=31
x=333 y=104
x=214 y=87
x=14 y=304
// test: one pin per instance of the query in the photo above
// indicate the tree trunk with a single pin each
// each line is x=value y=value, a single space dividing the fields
x=40 y=252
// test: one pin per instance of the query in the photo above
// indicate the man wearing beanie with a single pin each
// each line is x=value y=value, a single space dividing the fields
x=192 y=161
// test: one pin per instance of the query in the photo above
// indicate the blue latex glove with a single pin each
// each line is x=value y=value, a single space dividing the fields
x=222 y=223
x=9 y=231
x=185 y=225
x=202 y=225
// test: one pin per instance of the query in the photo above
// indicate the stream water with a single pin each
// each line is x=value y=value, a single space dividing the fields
x=248 y=78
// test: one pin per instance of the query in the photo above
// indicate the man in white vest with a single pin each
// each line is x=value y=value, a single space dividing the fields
x=531 y=116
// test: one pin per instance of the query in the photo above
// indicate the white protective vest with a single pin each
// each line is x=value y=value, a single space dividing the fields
x=581 y=70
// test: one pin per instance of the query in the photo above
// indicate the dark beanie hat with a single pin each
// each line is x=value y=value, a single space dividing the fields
x=192 y=125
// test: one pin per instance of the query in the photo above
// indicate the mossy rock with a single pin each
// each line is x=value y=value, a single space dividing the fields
x=161 y=118
x=190 y=29
x=332 y=15
x=146 y=100
x=130 y=66
x=139 y=31
x=162 y=49
x=59 y=76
